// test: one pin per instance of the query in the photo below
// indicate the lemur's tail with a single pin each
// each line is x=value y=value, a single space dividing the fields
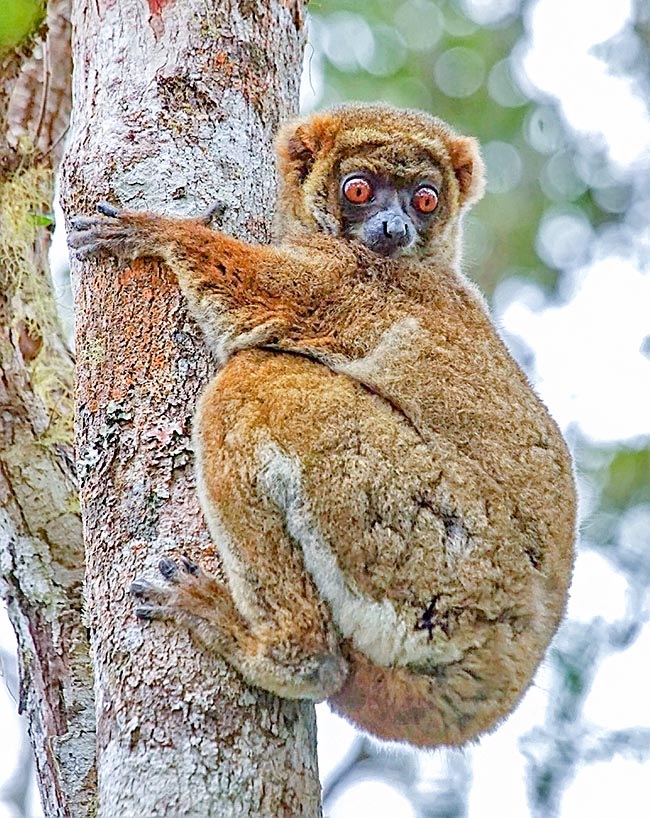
x=447 y=707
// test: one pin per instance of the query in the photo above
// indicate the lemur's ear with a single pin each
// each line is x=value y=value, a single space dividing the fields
x=469 y=168
x=299 y=143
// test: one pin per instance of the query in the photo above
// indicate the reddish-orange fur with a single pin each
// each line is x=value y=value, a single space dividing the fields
x=394 y=507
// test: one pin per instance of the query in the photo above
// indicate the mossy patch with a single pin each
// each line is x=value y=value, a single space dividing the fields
x=24 y=219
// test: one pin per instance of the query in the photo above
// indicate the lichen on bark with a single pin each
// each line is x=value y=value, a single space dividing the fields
x=170 y=115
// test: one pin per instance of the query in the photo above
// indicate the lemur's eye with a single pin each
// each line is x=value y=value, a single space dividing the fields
x=357 y=190
x=425 y=199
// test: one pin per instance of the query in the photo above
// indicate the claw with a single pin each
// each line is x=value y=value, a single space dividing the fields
x=168 y=569
x=108 y=209
x=189 y=566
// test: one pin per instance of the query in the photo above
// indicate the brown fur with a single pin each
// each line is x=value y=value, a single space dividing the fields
x=394 y=505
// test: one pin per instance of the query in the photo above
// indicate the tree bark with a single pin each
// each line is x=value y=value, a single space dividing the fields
x=41 y=548
x=176 y=104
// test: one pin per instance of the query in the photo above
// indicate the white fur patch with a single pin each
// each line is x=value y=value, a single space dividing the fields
x=223 y=338
x=217 y=328
x=396 y=340
x=375 y=628
x=457 y=541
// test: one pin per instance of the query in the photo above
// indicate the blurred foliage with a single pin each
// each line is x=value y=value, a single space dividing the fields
x=625 y=479
x=435 y=56
x=19 y=19
x=554 y=202
x=629 y=52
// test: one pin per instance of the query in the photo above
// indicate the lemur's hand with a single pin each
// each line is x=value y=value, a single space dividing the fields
x=113 y=233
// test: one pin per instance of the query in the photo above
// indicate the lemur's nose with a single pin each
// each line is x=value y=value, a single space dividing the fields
x=396 y=229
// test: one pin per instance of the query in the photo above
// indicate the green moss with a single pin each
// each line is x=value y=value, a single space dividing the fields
x=72 y=505
x=23 y=197
x=18 y=20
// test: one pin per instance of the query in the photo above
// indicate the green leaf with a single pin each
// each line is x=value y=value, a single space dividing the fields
x=19 y=19
x=41 y=219
x=627 y=479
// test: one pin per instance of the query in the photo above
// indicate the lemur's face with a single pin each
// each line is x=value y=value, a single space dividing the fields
x=392 y=216
x=396 y=181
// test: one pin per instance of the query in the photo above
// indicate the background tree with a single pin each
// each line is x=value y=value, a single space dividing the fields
x=41 y=549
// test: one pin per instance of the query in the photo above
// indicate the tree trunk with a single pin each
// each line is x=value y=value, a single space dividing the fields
x=175 y=107
x=41 y=549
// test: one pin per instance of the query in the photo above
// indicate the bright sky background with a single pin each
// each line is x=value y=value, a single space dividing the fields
x=590 y=370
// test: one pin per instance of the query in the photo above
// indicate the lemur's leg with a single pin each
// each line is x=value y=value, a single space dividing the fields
x=269 y=622
x=292 y=658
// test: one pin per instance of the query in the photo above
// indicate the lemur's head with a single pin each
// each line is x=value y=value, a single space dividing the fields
x=395 y=180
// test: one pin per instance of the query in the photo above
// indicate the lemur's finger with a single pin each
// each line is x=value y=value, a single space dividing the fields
x=214 y=213
x=83 y=222
x=83 y=248
x=142 y=589
x=150 y=612
x=168 y=569
x=108 y=209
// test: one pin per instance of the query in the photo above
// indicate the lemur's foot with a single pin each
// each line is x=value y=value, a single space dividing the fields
x=162 y=602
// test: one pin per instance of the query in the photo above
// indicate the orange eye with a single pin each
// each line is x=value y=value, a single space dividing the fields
x=357 y=190
x=425 y=199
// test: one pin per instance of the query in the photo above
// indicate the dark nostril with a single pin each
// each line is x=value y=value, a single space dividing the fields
x=395 y=228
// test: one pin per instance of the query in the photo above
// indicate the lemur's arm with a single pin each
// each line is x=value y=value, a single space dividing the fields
x=241 y=295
